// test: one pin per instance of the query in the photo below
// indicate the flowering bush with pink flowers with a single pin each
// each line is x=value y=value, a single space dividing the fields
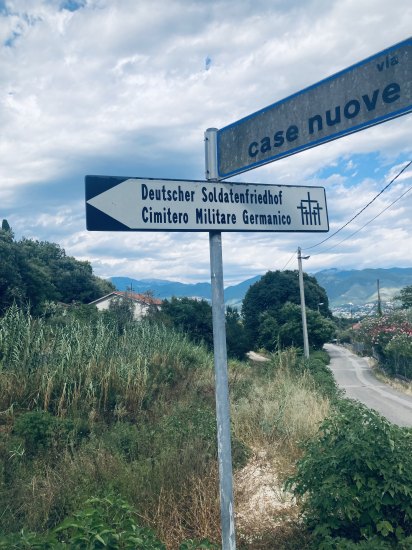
x=389 y=337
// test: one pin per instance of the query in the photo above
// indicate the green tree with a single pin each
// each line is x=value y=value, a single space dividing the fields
x=191 y=316
x=34 y=272
x=264 y=300
x=237 y=344
x=268 y=332
x=121 y=311
x=152 y=304
x=5 y=226
x=63 y=277
x=320 y=329
x=12 y=285
x=405 y=297
x=194 y=317
x=37 y=284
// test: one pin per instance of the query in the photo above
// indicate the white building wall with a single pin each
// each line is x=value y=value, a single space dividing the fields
x=140 y=309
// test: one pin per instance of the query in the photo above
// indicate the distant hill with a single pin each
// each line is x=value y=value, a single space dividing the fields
x=234 y=294
x=342 y=287
x=360 y=286
x=164 y=289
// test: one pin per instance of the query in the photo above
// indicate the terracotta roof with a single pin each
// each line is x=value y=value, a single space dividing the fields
x=140 y=297
x=132 y=296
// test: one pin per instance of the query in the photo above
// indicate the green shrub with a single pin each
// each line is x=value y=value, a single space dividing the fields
x=372 y=543
x=131 y=441
x=106 y=522
x=28 y=541
x=317 y=364
x=356 y=477
x=42 y=432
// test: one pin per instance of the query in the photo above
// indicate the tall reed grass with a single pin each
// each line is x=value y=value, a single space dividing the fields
x=73 y=368
x=143 y=401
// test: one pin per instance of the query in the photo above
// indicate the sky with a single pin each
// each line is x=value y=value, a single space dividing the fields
x=128 y=88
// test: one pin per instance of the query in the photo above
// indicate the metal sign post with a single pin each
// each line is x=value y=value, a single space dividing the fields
x=303 y=304
x=227 y=517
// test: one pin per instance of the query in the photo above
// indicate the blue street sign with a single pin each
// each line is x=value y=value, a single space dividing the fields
x=372 y=91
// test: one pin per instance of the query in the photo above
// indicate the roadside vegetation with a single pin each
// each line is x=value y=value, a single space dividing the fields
x=108 y=439
x=108 y=432
x=389 y=339
x=87 y=412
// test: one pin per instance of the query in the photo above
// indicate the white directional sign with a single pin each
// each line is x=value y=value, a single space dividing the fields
x=372 y=91
x=138 y=204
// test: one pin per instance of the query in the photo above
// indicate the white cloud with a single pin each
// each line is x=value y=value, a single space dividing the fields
x=118 y=88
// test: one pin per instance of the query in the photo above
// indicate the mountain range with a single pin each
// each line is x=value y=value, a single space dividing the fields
x=361 y=286
x=342 y=286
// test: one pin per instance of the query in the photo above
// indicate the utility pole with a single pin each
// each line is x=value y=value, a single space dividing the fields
x=379 y=300
x=220 y=355
x=302 y=304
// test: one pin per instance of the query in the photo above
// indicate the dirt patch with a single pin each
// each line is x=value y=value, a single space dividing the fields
x=261 y=503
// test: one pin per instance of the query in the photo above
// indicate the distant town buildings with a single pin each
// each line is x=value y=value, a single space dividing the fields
x=355 y=311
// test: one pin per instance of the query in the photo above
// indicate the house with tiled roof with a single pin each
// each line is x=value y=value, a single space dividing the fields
x=141 y=302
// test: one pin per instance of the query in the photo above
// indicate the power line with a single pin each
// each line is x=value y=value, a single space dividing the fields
x=362 y=210
x=354 y=217
x=288 y=262
x=367 y=223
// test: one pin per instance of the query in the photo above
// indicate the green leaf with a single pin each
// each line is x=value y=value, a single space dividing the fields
x=384 y=527
x=99 y=538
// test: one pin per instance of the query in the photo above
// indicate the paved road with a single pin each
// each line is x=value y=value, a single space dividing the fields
x=256 y=357
x=354 y=375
